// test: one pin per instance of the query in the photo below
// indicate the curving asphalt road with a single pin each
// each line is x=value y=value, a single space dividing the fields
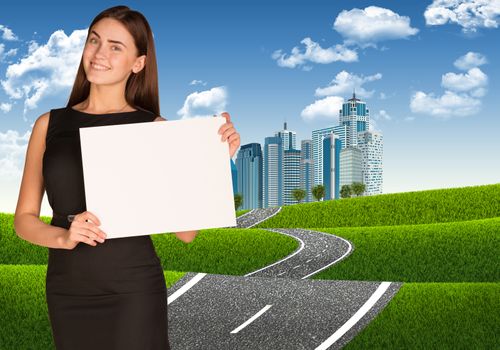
x=277 y=306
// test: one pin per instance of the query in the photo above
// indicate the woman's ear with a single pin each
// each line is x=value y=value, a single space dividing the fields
x=139 y=64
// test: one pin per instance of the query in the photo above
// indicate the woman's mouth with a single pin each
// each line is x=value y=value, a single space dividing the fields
x=99 y=67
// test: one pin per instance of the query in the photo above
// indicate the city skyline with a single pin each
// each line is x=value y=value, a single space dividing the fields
x=272 y=62
x=333 y=156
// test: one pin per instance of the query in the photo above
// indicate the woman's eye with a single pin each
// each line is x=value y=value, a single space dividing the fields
x=92 y=40
x=116 y=47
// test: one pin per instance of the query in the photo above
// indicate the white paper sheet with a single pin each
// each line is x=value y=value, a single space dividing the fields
x=158 y=177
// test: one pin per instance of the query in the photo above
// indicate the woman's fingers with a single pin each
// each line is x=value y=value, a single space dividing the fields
x=88 y=215
x=87 y=231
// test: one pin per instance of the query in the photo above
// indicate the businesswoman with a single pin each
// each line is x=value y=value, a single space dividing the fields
x=101 y=294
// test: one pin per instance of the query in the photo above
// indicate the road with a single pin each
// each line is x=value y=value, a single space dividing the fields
x=277 y=306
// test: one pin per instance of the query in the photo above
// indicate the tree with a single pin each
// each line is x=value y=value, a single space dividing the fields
x=358 y=188
x=298 y=194
x=318 y=192
x=345 y=191
x=238 y=201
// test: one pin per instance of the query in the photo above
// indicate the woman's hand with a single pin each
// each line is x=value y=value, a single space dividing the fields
x=84 y=229
x=229 y=133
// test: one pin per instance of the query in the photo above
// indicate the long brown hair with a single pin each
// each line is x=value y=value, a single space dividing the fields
x=141 y=90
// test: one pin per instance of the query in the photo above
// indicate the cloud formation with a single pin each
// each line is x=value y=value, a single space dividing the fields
x=5 y=107
x=7 y=34
x=46 y=70
x=462 y=91
x=324 y=109
x=470 y=60
x=198 y=82
x=12 y=152
x=344 y=83
x=469 y=14
x=448 y=105
x=474 y=81
x=314 y=53
x=204 y=104
x=371 y=25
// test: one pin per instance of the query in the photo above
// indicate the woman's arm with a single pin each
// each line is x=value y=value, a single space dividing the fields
x=27 y=223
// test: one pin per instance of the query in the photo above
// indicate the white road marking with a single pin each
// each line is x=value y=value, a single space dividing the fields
x=356 y=317
x=270 y=216
x=251 y=319
x=280 y=261
x=342 y=257
x=185 y=287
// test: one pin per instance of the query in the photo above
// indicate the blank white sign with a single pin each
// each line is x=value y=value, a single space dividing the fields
x=158 y=177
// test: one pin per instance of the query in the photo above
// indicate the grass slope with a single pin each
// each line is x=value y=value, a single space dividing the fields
x=424 y=207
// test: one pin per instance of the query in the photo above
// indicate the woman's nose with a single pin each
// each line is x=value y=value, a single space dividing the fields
x=101 y=51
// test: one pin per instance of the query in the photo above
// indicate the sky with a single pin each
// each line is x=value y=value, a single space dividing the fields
x=428 y=71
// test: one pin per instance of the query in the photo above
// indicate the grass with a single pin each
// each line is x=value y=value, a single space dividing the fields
x=410 y=208
x=467 y=251
x=444 y=244
x=436 y=316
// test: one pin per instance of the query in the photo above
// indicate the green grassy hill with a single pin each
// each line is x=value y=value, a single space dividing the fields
x=425 y=207
x=443 y=244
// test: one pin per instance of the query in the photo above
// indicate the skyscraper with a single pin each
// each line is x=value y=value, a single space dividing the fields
x=317 y=144
x=371 y=145
x=331 y=166
x=249 y=163
x=351 y=166
x=355 y=117
x=306 y=169
x=291 y=176
x=273 y=172
x=288 y=138
x=234 y=177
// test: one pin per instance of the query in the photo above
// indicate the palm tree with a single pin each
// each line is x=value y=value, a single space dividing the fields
x=298 y=194
x=358 y=188
x=345 y=191
x=238 y=201
x=318 y=192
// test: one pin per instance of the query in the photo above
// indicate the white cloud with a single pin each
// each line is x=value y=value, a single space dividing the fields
x=7 y=34
x=382 y=114
x=46 y=70
x=462 y=91
x=3 y=54
x=371 y=25
x=470 y=60
x=469 y=14
x=314 y=53
x=450 y=104
x=344 y=83
x=326 y=109
x=205 y=103
x=12 y=153
x=474 y=81
x=198 y=82
x=5 y=107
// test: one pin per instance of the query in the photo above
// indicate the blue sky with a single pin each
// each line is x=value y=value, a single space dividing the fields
x=428 y=72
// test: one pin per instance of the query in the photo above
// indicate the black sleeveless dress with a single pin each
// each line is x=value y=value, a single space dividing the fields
x=112 y=295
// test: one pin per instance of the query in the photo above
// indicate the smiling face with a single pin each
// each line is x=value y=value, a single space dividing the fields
x=110 y=54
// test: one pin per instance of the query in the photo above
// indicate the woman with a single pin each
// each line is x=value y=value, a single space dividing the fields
x=100 y=294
